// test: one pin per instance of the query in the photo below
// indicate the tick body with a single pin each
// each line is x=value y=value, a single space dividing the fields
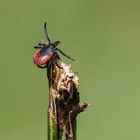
x=46 y=51
x=44 y=54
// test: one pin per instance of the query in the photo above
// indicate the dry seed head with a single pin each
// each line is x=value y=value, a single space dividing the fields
x=67 y=76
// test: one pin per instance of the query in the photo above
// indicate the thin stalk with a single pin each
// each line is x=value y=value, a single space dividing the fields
x=64 y=101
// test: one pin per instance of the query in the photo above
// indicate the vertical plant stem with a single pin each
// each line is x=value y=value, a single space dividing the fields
x=64 y=102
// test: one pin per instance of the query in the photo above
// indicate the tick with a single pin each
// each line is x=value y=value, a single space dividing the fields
x=46 y=51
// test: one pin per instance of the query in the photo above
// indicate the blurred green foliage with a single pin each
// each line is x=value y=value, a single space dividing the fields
x=103 y=36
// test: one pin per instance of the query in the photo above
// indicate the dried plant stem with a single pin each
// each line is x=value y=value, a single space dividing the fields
x=64 y=103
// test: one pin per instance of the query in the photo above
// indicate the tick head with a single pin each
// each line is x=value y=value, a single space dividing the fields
x=55 y=43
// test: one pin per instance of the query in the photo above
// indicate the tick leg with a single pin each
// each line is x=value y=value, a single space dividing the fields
x=42 y=67
x=54 y=60
x=46 y=33
x=50 y=72
x=65 y=54
x=37 y=47
x=40 y=44
x=57 y=64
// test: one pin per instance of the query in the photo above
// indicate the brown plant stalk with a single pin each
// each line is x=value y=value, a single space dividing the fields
x=64 y=101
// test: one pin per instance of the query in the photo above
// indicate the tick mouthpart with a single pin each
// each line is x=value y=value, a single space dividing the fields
x=55 y=43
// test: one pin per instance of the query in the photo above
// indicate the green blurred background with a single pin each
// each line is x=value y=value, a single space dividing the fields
x=102 y=35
